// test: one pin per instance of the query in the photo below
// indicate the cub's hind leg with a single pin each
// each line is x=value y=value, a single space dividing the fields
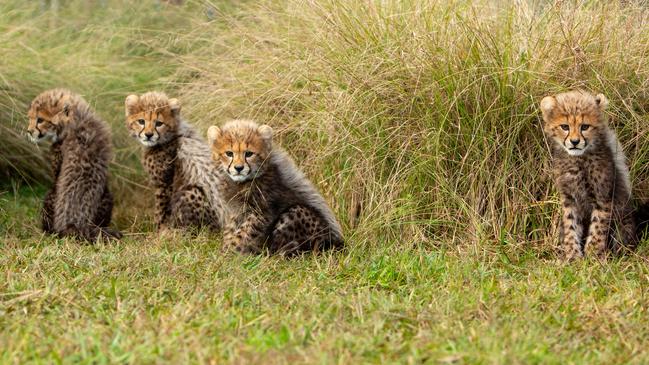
x=246 y=233
x=190 y=208
x=299 y=229
x=99 y=224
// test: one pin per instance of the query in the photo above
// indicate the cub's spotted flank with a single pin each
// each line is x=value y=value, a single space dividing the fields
x=178 y=163
x=591 y=175
x=79 y=204
x=272 y=207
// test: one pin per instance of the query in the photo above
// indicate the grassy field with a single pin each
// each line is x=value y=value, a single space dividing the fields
x=417 y=120
x=180 y=300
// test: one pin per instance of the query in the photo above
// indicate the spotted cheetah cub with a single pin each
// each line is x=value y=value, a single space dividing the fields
x=271 y=205
x=80 y=203
x=591 y=175
x=178 y=162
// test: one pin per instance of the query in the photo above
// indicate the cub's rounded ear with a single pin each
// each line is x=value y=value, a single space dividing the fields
x=213 y=133
x=265 y=131
x=34 y=105
x=602 y=101
x=131 y=104
x=547 y=106
x=174 y=105
x=66 y=105
x=66 y=109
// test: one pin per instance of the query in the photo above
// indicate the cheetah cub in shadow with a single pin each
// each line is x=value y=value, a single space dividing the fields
x=178 y=162
x=591 y=175
x=79 y=204
x=272 y=207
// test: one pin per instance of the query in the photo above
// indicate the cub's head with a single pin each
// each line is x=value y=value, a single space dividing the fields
x=49 y=114
x=152 y=118
x=575 y=120
x=241 y=147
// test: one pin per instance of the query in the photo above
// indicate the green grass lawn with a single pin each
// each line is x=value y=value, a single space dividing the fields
x=179 y=300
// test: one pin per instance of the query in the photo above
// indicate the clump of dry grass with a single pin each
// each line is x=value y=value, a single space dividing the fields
x=424 y=113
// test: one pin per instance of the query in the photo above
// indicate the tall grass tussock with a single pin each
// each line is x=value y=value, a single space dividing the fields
x=422 y=116
x=412 y=116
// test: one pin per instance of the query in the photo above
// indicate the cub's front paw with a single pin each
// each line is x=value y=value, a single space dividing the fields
x=228 y=247
x=600 y=252
x=167 y=233
x=571 y=253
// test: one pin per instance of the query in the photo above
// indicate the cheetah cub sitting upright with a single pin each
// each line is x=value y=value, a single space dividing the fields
x=178 y=162
x=271 y=205
x=79 y=204
x=591 y=175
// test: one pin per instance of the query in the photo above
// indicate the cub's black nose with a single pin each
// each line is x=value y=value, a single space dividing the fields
x=239 y=168
x=574 y=142
x=148 y=135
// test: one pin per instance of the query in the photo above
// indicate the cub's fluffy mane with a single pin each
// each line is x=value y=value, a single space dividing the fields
x=619 y=158
x=297 y=182
x=193 y=149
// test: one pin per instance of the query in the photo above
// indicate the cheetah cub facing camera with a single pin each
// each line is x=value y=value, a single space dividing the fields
x=178 y=163
x=591 y=175
x=79 y=204
x=271 y=205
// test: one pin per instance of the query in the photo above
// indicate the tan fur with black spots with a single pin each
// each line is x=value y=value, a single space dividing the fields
x=178 y=163
x=272 y=207
x=591 y=175
x=79 y=204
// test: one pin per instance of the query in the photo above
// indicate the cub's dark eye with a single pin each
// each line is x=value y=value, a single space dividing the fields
x=158 y=123
x=229 y=153
x=39 y=121
x=249 y=154
x=565 y=127
x=584 y=127
x=140 y=121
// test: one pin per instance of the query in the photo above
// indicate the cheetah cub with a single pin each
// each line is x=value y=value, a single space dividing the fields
x=271 y=205
x=79 y=204
x=178 y=162
x=591 y=175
